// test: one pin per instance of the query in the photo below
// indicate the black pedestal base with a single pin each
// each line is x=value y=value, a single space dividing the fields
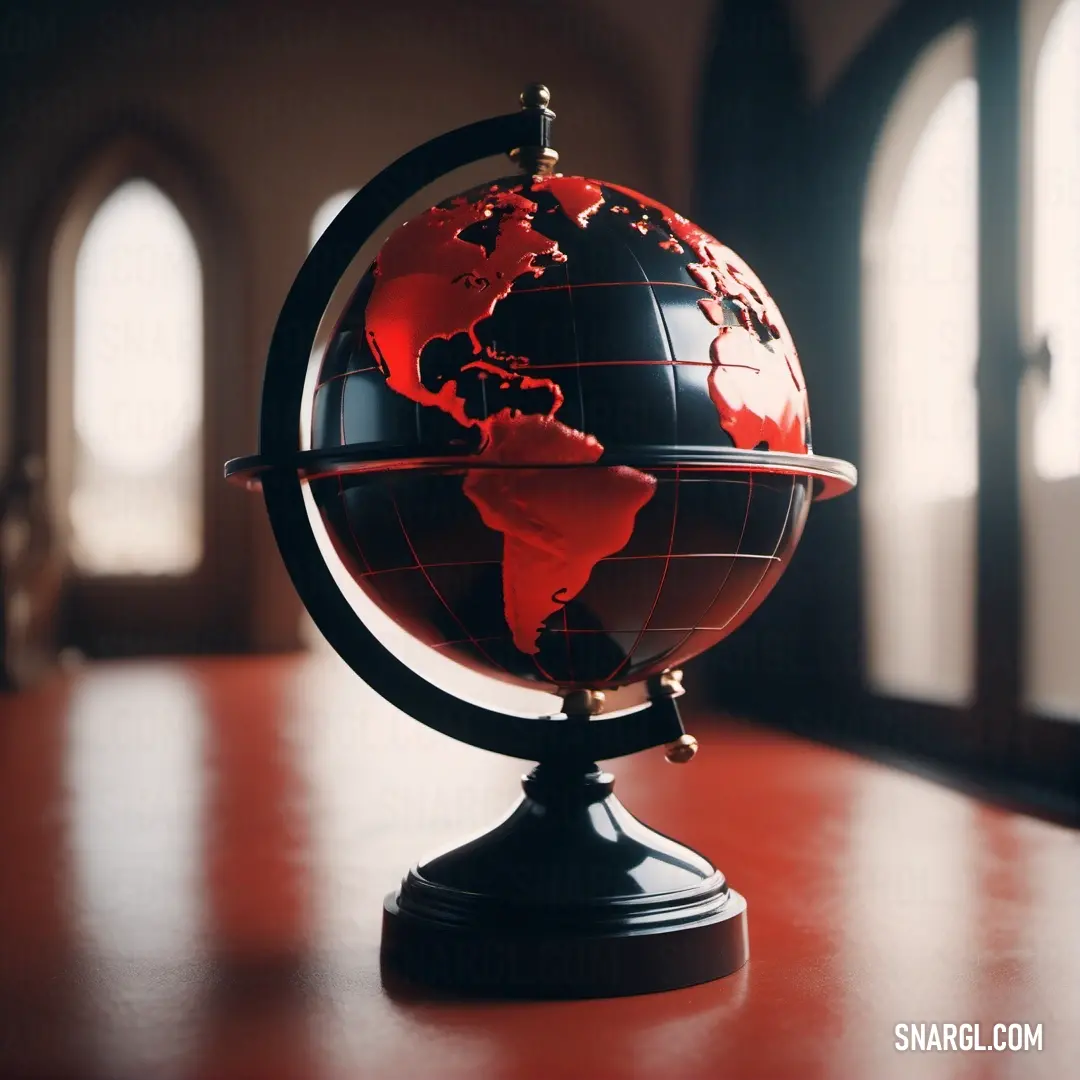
x=571 y=896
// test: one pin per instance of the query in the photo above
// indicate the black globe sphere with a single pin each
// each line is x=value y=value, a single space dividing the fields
x=545 y=375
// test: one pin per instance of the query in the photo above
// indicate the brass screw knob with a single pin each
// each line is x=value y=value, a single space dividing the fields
x=583 y=702
x=668 y=684
x=681 y=750
x=672 y=681
x=535 y=96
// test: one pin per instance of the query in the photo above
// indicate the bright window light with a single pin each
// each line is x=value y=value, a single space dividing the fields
x=920 y=345
x=1050 y=447
x=138 y=385
x=1056 y=264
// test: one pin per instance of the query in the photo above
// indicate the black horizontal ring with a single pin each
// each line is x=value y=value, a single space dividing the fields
x=833 y=476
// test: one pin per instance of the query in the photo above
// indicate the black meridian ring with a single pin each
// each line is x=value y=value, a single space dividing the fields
x=533 y=739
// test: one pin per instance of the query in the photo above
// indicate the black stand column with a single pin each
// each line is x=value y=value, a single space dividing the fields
x=570 y=896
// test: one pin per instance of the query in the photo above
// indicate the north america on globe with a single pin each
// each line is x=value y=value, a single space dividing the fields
x=532 y=475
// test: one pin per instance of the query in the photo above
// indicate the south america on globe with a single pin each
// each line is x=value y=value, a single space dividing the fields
x=505 y=352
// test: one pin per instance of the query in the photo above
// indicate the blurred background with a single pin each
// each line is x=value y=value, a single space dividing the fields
x=183 y=753
x=905 y=176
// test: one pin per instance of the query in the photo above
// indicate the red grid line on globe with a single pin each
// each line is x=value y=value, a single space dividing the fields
x=579 y=631
x=344 y=387
x=629 y=363
x=629 y=659
x=720 y=588
x=543 y=673
x=569 y=651
x=345 y=375
x=581 y=410
x=753 y=592
x=609 y=285
x=431 y=585
x=607 y=558
x=779 y=540
x=659 y=588
x=548 y=367
x=352 y=531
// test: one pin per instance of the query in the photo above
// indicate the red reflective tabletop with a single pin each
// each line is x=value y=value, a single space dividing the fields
x=193 y=858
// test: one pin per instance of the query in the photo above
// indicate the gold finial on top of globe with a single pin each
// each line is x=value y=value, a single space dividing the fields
x=535 y=96
x=535 y=160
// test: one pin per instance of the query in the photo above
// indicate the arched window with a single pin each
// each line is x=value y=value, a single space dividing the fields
x=1050 y=446
x=920 y=342
x=135 y=504
x=1055 y=279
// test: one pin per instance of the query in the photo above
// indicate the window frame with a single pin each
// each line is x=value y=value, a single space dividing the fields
x=208 y=609
x=86 y=560
x=938 y=70
x=819 y=687
x=1046 y=599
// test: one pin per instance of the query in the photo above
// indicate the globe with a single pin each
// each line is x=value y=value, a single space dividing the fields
x=560 y=435
x=577 y=431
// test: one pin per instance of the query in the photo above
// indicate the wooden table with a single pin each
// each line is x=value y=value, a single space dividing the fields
x=194 y=856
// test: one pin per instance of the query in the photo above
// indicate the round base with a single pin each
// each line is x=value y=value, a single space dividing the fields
x=502 y=965
x=569 y=897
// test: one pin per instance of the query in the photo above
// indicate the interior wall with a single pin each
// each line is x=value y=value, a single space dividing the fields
x=831 y=34
x=6 y=417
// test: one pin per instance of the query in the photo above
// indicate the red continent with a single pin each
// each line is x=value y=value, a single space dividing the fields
x=579 y=198
x=430 y=284
x=557 y=523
